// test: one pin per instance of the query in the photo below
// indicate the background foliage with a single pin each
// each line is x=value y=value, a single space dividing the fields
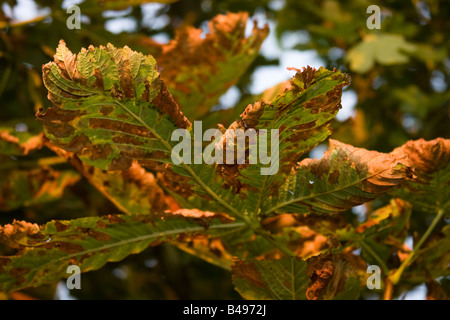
x=400 y=75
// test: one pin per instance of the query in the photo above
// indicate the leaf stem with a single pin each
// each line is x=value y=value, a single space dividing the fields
x=276 y=244
x=395 y=278
x=388 y=289
x=384 y=267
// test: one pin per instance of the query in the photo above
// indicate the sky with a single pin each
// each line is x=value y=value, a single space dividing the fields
x=263 y=78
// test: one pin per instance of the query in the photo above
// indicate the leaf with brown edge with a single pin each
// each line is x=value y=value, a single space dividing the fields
x=93 y=241
x=115 y=110
x=198 y=70
x=19 y=188
x=134 y=191
x=430 y=161
x=105 y=100
x=19 y=138
x=301 y=115
x=13 y=234
x=343 y=178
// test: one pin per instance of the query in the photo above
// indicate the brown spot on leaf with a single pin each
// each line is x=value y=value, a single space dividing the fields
x=166 y=104
x=101 y=224
x=69 y=247
x=60 y=227
x=320 y=269
x=105 y=110
x=98 y=79
x=114 y=219
x=333 y=178
x=18 y=274
x=249 y=272
x=99 y=236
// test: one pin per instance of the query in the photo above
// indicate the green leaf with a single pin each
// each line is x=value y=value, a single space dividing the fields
x=321 y=277
x=284 y=279
x=386 y=49
x=345 y=177
x=301 y=114
x=106 y=99
x=112 y=109
x=91 y=242
x=436 y=255
x=382 y=235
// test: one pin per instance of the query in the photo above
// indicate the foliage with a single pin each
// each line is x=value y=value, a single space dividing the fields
x=106 y=130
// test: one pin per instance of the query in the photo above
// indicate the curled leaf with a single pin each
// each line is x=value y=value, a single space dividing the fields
x=343 y=178
x=105 y=98
x=198 y=70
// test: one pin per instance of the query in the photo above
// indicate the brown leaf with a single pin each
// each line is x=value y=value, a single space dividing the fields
x=194 y=65
x=425 y=156
x=11 y=234
x=131 y=190
x=380 y=167
x=34 y=142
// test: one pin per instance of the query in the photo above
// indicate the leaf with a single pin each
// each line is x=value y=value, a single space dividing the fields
x=91 y=242
x=345 y=177
x=284 y=279
x=226 y=116
x=321 y=277
x=199 y=69
x=112 y=109
x=430 y=160
x=105 y=98
x=134 y=191
x=382 y=237
x=386 y=49
x=20 y=188
x=301 y=115
x=17 y=140
x=94 y=6
x=434 y=259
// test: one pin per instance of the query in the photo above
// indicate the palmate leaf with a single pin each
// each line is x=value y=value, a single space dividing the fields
x=199 y=69
x=345 y=177
x=112 y=109
x=46 y=252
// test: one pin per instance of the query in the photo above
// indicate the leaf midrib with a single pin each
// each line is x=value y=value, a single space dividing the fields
x=286 y=203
